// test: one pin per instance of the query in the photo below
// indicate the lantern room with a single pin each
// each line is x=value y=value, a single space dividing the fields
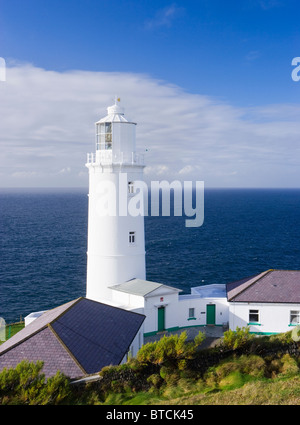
x=115 y=137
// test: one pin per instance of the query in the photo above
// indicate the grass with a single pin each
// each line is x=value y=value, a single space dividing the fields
x=12 y=329
x=240 y=380
x=281 y=391
x=233 y=391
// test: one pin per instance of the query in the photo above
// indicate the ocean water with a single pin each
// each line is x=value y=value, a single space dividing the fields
x=43 y=235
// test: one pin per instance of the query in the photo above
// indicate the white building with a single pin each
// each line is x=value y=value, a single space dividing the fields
x=116 y=272
x=268 y=302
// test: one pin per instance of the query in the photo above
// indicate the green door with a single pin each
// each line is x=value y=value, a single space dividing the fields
x=210 y=314
x=161 y=318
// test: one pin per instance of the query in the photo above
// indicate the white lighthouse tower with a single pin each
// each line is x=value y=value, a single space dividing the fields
x=116 y=242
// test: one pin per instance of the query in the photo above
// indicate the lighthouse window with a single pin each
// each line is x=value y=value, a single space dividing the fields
x=130 y=187
x=131 y=238
x=104 y=136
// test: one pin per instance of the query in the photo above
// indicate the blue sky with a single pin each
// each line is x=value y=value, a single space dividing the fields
x=223 y=64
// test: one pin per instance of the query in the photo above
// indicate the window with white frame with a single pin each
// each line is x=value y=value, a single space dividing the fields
x=295 y=317
x=131 y=238
x=191 y=313
x=253 y=316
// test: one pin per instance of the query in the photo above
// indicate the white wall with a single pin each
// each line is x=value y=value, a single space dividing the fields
x=152 y=303
x=273 y=318
x=32 y=316
x=177 y=310
x=111 y=259
x=128 y=300
x=199 y=304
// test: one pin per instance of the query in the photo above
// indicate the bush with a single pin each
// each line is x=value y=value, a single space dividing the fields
x=172 y=351
x=25 y=384
x=233 y=380
x=236 y=339
x=289 y=366
x=252 y=365
x=247 y=365
x=281 y=338
x=131 y=375
x=155 y=380
x=235 y=372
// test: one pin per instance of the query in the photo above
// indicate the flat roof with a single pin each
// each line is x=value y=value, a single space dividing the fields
x=141 y=287
x=207 y=291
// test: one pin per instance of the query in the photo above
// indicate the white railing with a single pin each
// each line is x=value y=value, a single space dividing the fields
x=107 y=157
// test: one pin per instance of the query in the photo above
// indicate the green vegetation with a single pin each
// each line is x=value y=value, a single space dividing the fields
x=243 y=369
x=170 y=352
x=12 y=329
x=26 y=385
x=238 y=338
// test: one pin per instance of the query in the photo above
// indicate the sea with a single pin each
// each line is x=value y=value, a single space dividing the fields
x=43 y=235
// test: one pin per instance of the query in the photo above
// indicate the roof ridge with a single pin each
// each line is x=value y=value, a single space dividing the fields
x=154 y=289
x=76 y=301
x=263 y=274
x=285 y=270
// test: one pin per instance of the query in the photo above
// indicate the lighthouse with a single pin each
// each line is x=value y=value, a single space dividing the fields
x=116 y=241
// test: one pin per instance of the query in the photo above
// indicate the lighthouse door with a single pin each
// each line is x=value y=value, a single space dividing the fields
x=161 y=319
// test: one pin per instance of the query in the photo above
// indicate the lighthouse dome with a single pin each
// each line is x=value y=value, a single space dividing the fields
x=115 y=113
x=115 y=109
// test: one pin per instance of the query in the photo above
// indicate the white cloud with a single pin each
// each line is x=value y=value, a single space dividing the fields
x=253 y=55
x=65 y=170
x=24 y=174
x=270 y=4
x=188 y=169
x=158 y=170
x=164 y=17
x=47 y=128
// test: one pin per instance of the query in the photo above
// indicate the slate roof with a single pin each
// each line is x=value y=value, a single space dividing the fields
x=271 y=286
x=77 y=338
x=141 y=287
